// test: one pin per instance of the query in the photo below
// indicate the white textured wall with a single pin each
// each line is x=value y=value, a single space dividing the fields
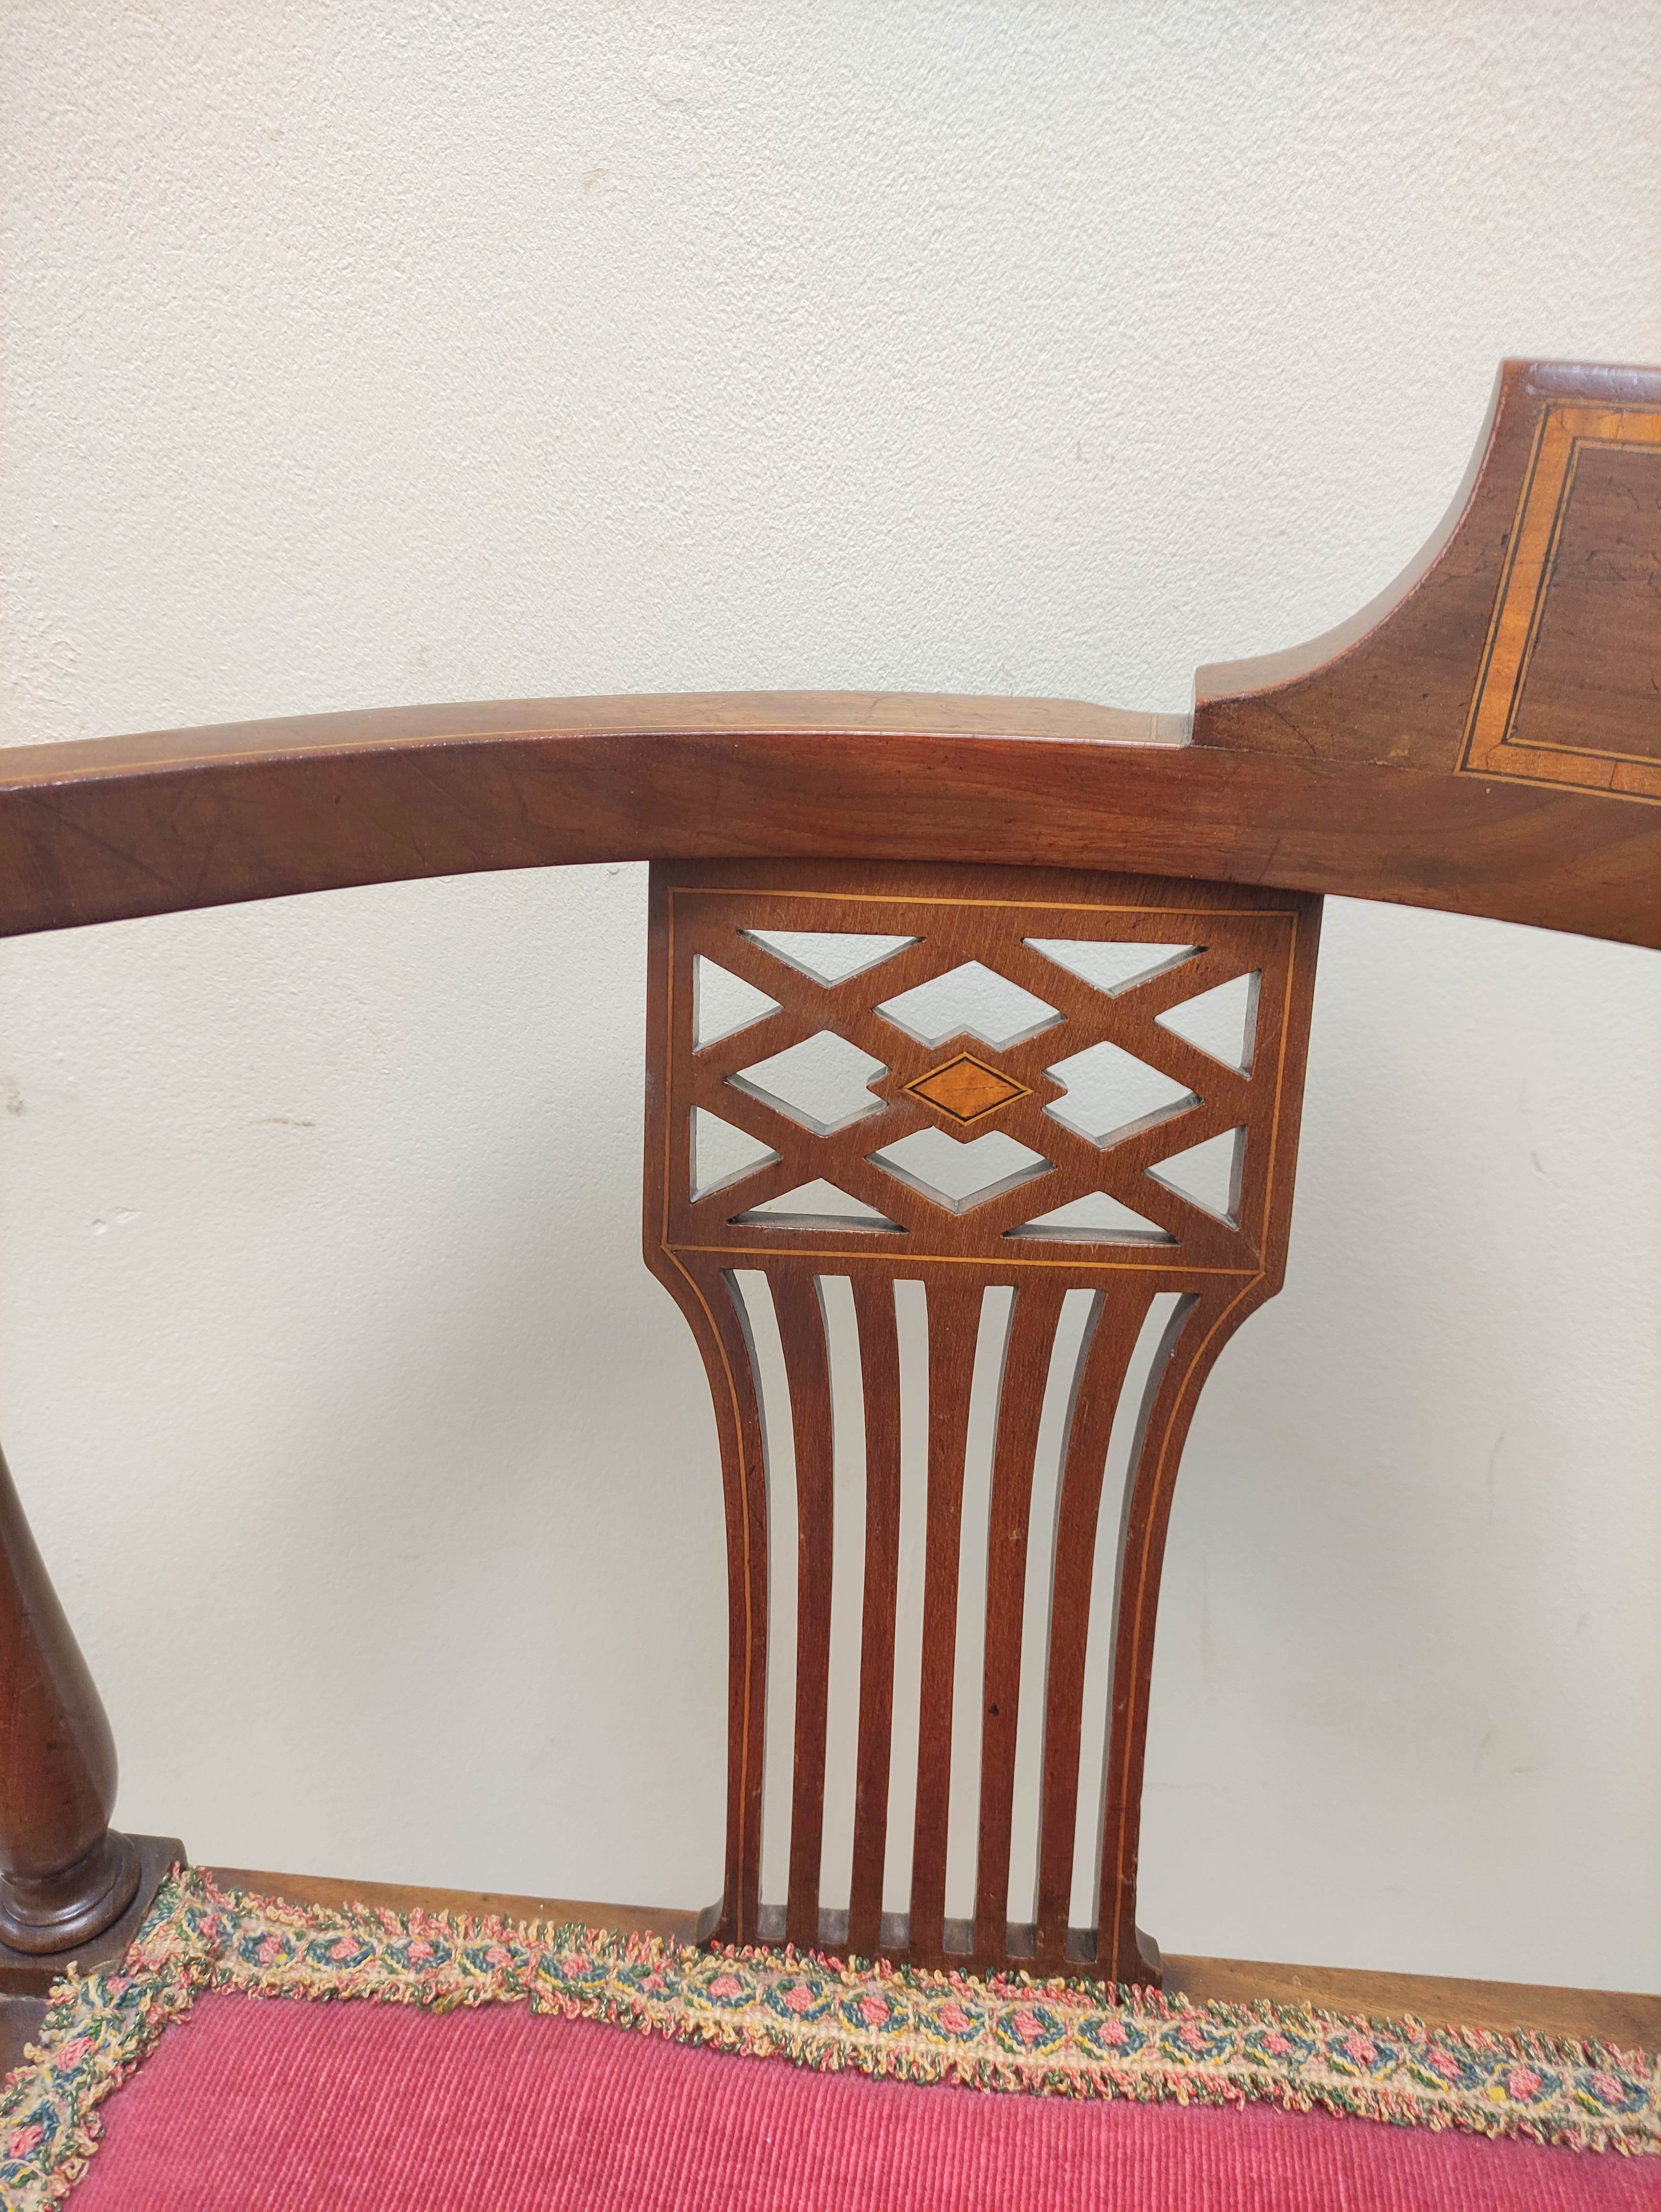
x=385 y=351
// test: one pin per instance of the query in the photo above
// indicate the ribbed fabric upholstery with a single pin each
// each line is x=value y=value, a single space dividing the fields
x=276 y=2105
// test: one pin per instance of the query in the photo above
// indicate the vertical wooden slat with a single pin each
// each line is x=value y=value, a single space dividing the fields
x=722 y=1327
x=954 y=1314
x=1110 y=1339
x=1195 y=1334
x=1020 y=1409
x=707 y=1296
x=880 y=1370
x=800 y=1304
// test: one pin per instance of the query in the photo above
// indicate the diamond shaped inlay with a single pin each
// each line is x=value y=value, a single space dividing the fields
x=966 y=1088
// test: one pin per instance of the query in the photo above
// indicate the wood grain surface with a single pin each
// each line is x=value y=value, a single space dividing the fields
x=1339 y=766
x=88 y=834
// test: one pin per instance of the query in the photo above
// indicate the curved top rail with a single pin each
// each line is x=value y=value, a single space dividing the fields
x=1485 y=738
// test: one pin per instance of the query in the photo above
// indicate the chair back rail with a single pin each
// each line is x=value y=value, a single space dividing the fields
x=1483 y=739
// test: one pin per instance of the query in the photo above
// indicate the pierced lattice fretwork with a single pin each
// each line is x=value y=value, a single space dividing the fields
x=967 y=1079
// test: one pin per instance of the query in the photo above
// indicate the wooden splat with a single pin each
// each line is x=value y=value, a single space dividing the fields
x=1022 y=1150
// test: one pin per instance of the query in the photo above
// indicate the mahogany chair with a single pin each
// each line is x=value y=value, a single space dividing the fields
x=1485 y=739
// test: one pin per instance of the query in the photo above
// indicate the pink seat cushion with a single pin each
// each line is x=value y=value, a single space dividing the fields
x=276 y=2105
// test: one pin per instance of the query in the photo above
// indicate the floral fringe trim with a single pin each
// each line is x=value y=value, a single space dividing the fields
x=1052 y=2037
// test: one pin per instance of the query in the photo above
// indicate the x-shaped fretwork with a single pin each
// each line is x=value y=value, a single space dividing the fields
x=947 y=935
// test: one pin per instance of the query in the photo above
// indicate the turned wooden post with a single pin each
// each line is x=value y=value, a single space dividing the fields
x=65 y=1875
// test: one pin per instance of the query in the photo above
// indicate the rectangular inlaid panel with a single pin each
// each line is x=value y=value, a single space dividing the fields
x=1593 y=683
x=1570 y=690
